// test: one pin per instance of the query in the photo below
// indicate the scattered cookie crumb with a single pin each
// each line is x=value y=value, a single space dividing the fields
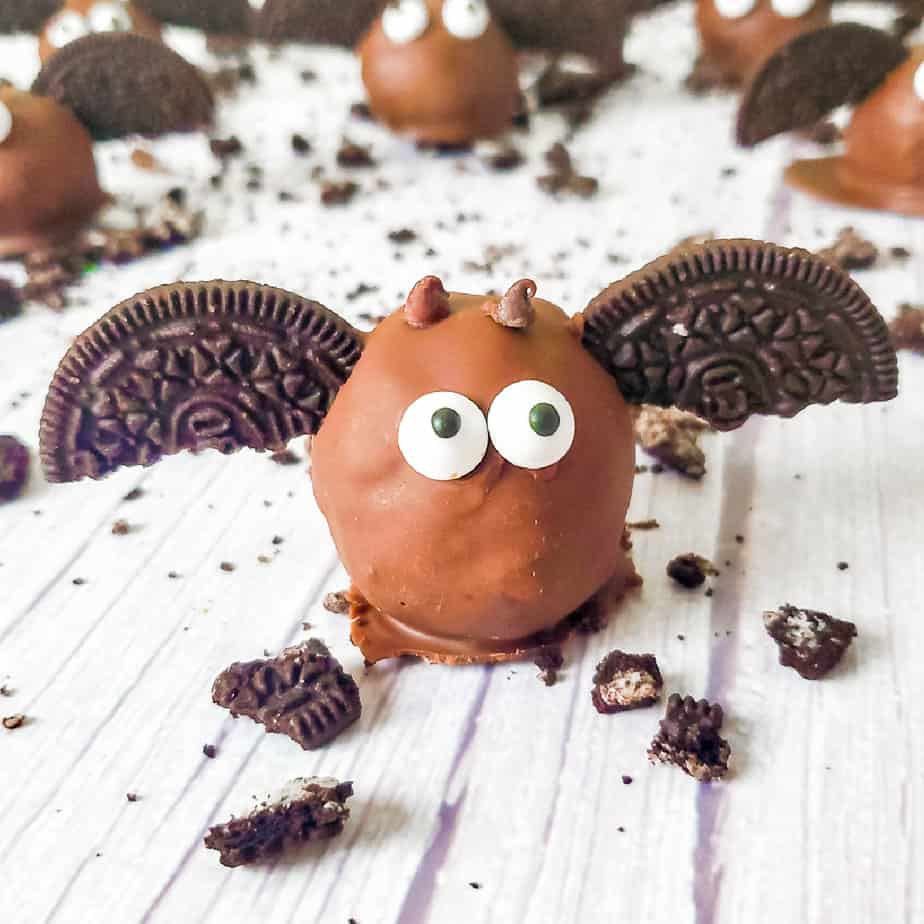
x=564 y=178
x=224 y=148
x=690 y=570
x=285 y=457
x=14 y=468
x=134 y=494
x=12 y=722
x=908 y=328
x=228 y=566
x=626 y=780
x=475 y=885
x=810 y=642
x=843 y=566
x=689 y=739
x=354 y=155
x=335 y=192
x=549 y=661
x=850 y=251
x=643 y=525
x=402 y=236
x=626 y=681
x=672 y=437
x=209 y=750
x=121 y=528
x=337 y=602
x=131 y=796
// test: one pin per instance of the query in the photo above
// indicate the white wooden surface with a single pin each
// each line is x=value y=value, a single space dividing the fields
x=468 y=775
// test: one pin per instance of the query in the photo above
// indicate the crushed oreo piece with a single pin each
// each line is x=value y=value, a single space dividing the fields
x=908 y=328
x=285 y=457
x=303 y=693
x=564 y=178
x=549 y=661
x=898 y=252
x=210 y=751
x=300 y=144
x=672 y=437
x=689 y=739
x=643 y=525
x=121 y=528
x=810 y=642
x=12 y=722
x=14 y=468
x=690 y=570
x=851 y=251
x=310 y=809
x=338 y=192
x=131 y=796
x=223 y=148
x=337 y=602
x=354 y=155
x=402 y=236
x=228 y=566
x=626 y=681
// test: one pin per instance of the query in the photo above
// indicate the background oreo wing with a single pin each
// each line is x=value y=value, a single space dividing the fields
x=734 y=328
x=119 y=83
x=207 y=365
x=218 y=17
x=326 y=22
x=814 y=74
x=26 y=15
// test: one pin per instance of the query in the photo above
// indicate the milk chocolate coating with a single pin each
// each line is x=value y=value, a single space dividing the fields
x=736 y=47
x=883 y=162
x=440 y=89
x=142 y=24
x=48 y=182
x=473 y=569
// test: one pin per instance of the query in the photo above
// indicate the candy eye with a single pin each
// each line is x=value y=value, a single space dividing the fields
x=734 y=9
x=466 y=19
x=531 y=424
x=6 y=122
x=443 y=436
x=405 y=20
x=792 y=9
x=67 y=27
x=919 y=81
x=110 y=17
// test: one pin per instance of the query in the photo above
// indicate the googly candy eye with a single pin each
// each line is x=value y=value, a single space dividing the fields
x=531 y=424
x=466 y=19
x=109 y=17
x=403 y=21
x=792 y=9
x=734 y=9
x=443 y=436
x=66 y=28
x=6 y=122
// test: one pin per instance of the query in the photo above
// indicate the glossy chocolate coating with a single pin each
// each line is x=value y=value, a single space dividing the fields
x=736 y=47
x=473 y=569
x=142 y=23
x=440 y=89
x=883 y=162
x=48 y=182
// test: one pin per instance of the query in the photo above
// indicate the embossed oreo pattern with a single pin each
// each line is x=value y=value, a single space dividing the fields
x=729 y=329
x=211 y=365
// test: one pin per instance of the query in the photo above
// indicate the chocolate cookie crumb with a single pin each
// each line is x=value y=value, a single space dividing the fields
x=134 y=494
x=224 y=148
x=843 y=565
x=354 y=155
x=908 y=328
x=626 y=681
x=338 y=192
x=564 y=178
x=810 y=642
x=899 y=253
x=689 y=739
x=549 y=661
x=303 y=693
x=626 y=780
x=285 y=457
x=300 y=144
x=850 y=251
x=228 y=566
x=5 y=690
x=643 y=525
x=12 y=722
x=310 y=809
x=475 y=885
x=672 y=437
x=14 y=468
x=337 y=602
x=131 y=796
x=121 y=528
x=79 y=581
x=690 y=570
x=209 y=750
x=402 y=236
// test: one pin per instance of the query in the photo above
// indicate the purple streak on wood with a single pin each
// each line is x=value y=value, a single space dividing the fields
x=419 y=896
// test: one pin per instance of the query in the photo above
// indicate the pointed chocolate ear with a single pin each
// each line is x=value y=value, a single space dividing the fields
x=729 y=329
x=326 y=22
x=194 y=365
x=120 y=83
x=814 y=74
x=217 y=17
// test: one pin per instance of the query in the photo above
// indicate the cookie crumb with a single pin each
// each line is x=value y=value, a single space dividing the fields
x=209 y=750
x=475 y=885
x=134 y=494
x=402 y=236
x=672 y=437
x=337 y=602
x=121 y=528
x=690 y=570
x=843 y=566
x=335 y=192
x=15 y=461
x=908 y=328
x=12 y=722
x=626 y=780
x=689 y=739
x=643 y=525
x=228 y=566
x=285 y=457
x=850 y=251
x=564 y=178
x=810 y=642
x=549 y=661
x=626 y=681
x=224 y=148
x=131 y=796
x=300 y=144
x=354 y=156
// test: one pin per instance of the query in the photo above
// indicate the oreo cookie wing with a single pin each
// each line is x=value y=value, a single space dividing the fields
x=120 y=83
x=814 y=74
x=218 y=17
x=326 y=22
x=733 y=328
x=26 y=15
x=207 y=365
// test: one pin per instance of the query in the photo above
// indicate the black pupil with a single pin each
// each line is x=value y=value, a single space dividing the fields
x=544 y=419
x=446 y=423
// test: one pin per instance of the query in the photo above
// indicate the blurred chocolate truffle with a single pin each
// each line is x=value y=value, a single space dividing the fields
x=78 y=18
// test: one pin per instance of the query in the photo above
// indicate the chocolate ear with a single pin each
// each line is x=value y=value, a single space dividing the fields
x=814 y=74
x=194 y=365
x=734 y=328
x=119 y=83
x=218 y=17
x=326 y=22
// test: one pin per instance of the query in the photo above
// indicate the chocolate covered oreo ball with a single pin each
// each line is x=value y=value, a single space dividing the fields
x=78 y=18
x=440 y=71
x=48 y=182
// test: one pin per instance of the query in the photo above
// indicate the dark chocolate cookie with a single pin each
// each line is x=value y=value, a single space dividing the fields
x=26 y=15
x=689 y=739
x=307 y=810
x=304 y=693
x=209 y=365
x=813 y=75
x=326 y=22
x=218 y=17
x=810 y=642
x=119 y=83
x=729 y=329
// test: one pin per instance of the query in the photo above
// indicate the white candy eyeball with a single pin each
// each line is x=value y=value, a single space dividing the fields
x=66 y=28
x=531 y=424
x=466 y=19
x=919 y=82
x=792 y=9
x=443 y=436
x=405 y=20
x=734 y=9
x=6 y=122
x=109 y=17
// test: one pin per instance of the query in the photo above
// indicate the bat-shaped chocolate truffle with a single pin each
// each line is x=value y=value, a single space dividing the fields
x=77 y=18
x=473 y=455
x=882 y=165
x=100 y=86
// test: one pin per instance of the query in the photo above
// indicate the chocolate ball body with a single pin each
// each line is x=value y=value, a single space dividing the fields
x=141 y=22
x=504 y=552
x=440 y=89
x=48 y=182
